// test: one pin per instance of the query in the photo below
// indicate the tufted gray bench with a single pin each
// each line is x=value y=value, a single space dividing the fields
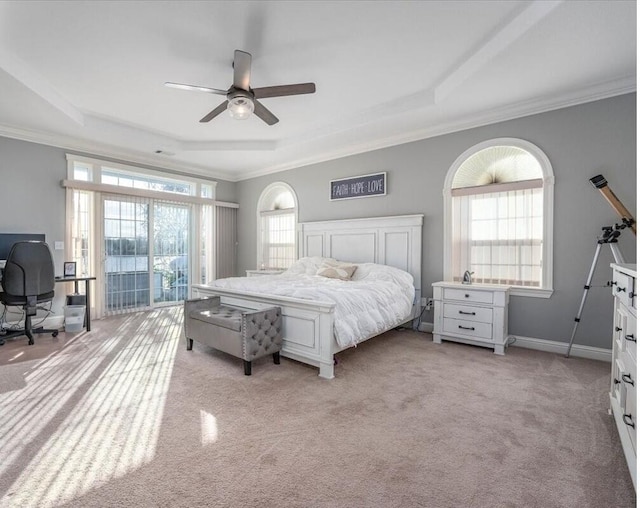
x=244 y=333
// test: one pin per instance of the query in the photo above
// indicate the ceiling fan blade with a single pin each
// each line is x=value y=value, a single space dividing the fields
x=264 y=114
x=282 y=90
x=241 y=69
x=194 y=88
x=207 y=118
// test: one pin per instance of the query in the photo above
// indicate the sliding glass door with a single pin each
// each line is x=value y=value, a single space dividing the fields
x=127 y=273
x=146 y=252
x=170 y=252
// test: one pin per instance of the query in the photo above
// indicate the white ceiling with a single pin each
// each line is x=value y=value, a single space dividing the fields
x=89 y=75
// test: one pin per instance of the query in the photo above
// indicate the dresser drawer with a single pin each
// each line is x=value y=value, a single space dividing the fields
x=630 y=415
x=630 y=337
x=616 y=382
x=468 y=313
x=623 y=288
x=471 y=328
x=468 y=295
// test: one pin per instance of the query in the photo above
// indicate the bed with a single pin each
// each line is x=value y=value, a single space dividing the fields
x=314 y=324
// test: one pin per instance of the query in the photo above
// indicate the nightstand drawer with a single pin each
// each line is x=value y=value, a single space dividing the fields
x=471 y=328
x=468 y=295
x=468 y=313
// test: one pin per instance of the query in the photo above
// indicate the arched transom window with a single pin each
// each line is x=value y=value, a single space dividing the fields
x=498 y=215
x=277 y=219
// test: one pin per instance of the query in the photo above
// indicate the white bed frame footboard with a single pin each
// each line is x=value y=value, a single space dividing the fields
x=308 y=325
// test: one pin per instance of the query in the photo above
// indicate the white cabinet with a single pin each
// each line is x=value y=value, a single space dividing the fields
x=471 y=313
x=624 y=381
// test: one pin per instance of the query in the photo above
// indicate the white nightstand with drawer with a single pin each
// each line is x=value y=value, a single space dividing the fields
x=471 y=313
x=260 y=273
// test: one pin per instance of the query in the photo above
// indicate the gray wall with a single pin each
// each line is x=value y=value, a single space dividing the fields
x=581 y=142
x=32 y=200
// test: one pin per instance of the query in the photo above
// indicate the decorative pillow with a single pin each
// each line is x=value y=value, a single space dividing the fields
x=342 y=271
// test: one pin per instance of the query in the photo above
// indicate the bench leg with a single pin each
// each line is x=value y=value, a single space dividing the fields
x=247 y=368
x=189 y=344
x=276 y=357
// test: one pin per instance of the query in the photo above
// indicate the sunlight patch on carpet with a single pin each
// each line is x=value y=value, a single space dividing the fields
x=208 y=428
x=112 y=406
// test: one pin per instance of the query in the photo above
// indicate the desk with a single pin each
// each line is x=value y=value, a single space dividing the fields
x=75 y=280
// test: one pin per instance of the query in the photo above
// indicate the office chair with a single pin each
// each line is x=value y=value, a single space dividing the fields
x=27 y=281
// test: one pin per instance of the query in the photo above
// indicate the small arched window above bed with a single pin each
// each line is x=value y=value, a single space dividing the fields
x=498 y=200
x=277 y=219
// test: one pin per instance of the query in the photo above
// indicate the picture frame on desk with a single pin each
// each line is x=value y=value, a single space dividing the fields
x=69 y=269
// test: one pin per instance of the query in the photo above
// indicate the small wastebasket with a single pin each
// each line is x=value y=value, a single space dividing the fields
x=74 y=318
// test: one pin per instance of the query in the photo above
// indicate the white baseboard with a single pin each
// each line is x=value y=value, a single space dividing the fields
x=425 y=327
x=550 y=346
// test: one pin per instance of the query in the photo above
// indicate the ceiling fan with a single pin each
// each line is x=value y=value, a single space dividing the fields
x=242 y=100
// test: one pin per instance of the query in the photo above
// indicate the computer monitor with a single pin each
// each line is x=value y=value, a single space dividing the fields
x=8 y=239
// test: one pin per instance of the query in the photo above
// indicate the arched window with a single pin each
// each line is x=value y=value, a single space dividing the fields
x=277 y=220
x=498 y=200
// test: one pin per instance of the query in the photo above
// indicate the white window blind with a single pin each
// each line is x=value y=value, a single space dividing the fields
x=226 y=241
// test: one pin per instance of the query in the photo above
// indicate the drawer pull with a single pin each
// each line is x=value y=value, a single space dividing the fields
x=618 y=329
x=630 y=337
x=632 y=295
x=627 y=379
x=620 y=289
x=628 y=419
x=616 y=381
x=467 y=313
x=466 y=295
x=466 y=327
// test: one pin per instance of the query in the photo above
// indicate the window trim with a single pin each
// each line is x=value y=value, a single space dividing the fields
x=259 y=211
x=547 y=185
x=93 y=184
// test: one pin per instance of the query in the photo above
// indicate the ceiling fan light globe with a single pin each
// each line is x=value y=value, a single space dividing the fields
x=240 y=108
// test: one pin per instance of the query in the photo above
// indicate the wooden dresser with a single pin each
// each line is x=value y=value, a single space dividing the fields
x=624 y=380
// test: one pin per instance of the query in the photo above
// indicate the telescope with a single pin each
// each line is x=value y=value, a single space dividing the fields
x=600 y=183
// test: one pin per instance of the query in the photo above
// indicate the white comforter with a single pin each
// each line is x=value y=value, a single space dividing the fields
x=376 y=298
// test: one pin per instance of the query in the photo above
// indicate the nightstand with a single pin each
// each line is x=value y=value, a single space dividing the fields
x=259 y=273
x=474 y=314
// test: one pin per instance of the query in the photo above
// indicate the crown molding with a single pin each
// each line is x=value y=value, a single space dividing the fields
x=522 y=109
x=92 y=148
x=592 y=93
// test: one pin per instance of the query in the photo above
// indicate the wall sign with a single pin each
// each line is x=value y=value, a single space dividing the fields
x=363 y=186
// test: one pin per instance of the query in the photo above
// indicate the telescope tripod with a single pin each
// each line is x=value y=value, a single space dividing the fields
x=609 y=237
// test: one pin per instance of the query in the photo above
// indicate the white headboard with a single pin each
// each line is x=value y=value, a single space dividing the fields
x=394 y=241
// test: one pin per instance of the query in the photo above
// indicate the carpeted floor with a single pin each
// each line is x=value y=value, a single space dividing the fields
x=124 y=416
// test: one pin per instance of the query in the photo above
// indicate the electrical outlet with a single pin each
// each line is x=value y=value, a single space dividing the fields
x=423 y=302
x=429 y=303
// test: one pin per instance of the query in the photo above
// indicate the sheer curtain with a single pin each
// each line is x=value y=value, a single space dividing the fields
x=498 y=233
x=278 y=238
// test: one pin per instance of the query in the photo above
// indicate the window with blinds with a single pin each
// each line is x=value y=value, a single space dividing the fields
x=498 y=209
x=145 y=235
x=278 y=238
x=277 y=220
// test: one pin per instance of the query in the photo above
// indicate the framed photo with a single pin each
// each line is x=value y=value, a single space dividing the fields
x=69 y=269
